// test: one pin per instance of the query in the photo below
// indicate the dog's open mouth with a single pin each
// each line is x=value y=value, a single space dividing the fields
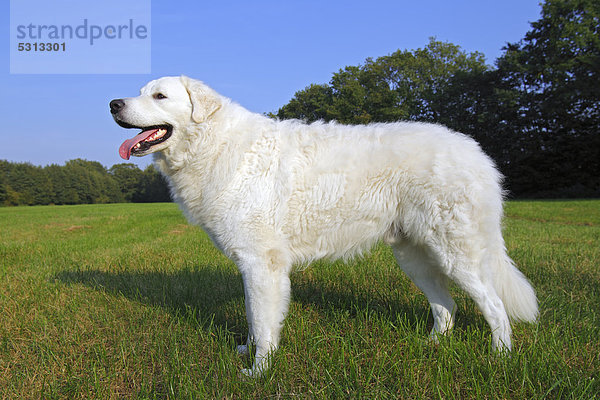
x=142 y=142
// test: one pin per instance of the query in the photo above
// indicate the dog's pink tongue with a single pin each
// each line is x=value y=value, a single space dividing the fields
x=125 y=149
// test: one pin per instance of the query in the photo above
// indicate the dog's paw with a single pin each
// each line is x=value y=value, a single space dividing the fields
x=247 y=373
x=434 y=337
x=243 y=349
x=253 y=372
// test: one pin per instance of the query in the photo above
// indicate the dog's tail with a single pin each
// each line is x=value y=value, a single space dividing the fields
x=514 y=289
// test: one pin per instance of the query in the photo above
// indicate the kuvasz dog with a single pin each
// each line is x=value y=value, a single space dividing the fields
x=274 y=194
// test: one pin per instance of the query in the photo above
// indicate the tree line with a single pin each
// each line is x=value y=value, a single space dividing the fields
x=79 y=182
x=536 y=112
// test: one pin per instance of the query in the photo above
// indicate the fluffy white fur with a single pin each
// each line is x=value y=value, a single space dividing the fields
x=272 y=194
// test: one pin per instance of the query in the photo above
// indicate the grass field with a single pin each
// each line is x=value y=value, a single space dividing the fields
x=128 y=301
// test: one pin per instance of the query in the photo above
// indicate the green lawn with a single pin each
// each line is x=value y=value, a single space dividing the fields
x=128 y=301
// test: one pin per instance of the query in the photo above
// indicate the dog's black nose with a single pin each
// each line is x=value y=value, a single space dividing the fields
x=116 y=106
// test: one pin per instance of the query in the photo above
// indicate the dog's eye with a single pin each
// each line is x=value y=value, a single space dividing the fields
x=159 y=96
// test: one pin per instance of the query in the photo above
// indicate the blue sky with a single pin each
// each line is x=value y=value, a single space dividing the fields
x=259 y=53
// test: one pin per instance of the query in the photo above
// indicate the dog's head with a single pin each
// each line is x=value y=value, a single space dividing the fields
x=162 y=111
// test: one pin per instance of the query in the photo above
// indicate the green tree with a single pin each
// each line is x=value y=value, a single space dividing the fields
x=61 y=193
x=2 y=192
x=88 y=182
x=79 y=182
x=25 y=184
x=128 y=177
x=153 y=187
x=311 y=104
x=556 y=70
x=409 y=85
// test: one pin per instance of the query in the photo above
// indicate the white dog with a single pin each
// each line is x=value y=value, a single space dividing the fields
x=272 y=194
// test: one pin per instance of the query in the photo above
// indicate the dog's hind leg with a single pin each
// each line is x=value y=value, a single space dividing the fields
x=421 y=265
x=267 y=295
x=424 y=272
x=482 y=291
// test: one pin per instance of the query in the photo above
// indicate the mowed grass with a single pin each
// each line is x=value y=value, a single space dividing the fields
x=128 y=301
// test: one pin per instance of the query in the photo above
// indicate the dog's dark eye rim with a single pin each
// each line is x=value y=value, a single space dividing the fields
x=159 y=96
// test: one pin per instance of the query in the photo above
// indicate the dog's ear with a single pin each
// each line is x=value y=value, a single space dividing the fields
x=205 y=101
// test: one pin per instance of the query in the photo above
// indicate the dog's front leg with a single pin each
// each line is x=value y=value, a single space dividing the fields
x=267 y=296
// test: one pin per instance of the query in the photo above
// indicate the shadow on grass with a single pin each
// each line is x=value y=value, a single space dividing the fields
x=213 y=295
x=208 y=295
x=351 y=300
